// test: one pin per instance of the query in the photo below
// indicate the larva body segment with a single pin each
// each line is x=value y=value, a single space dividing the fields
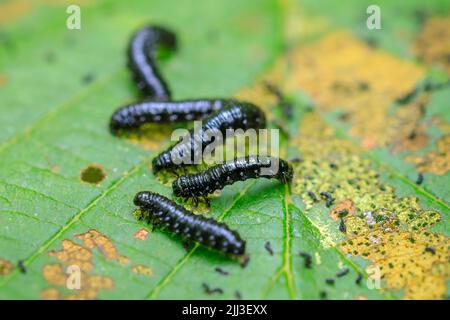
x=141 y=60
x=134 y=115
x=163 y=212
x=217 y=177
x=236 y=115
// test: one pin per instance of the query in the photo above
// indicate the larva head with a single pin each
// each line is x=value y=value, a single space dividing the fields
x=237 y=248
x=123 y=119
x=161 y=162
x=144 y=199
x=233 y=244
x=180 y=187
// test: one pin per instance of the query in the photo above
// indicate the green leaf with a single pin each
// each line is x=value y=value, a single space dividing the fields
x=58 y=89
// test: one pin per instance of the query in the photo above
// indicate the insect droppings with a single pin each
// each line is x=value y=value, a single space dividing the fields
x=342 y=272
x=268 y=247
x=312 y=196
x=419 y=180
x=209 y=290
x=238 y=295
x=359 y=278
x=430 y=249
x=307 y=259
x=329 y=281
x=21 y=265
x=245 y=262
x=342 y=226
x=343 y=213
x=328 y=197
x=221 y=271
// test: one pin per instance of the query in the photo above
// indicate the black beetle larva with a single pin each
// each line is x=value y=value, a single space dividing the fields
x=134 y=115
x=141 y=56
x=236 y=115
x=161 y=211
x=217 y=177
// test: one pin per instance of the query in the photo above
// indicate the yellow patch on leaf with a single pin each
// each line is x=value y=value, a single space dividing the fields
x=73 y=254
x=341 y=72
x=404 y=260
x=345 y=208
x=406 y=131
x=389 y=230
x=2 y=79
x=5 y=267
x=70 y=255
x=141 y=234
x=436 y=161
x=432 y=45
x=94 y=239
x=80 y=256
x=151 y=136
x=141 y=269
x=12 y=10
x=258 y=92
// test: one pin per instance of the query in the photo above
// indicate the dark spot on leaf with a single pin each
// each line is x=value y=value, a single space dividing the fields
x=50 y=57
x=87 y=78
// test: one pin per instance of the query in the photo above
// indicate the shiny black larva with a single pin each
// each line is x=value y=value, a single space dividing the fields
x=141 y=60
x=161 y=211
x=235 y=115
x=217 y=177
x=134 y=115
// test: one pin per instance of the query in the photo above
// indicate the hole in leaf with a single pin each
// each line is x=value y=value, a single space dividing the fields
x=93 y=173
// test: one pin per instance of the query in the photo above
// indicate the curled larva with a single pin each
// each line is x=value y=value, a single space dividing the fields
x=236 y=115
x=141 y=60
x=134 y=115
x=163 y=212
x=217 y=177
